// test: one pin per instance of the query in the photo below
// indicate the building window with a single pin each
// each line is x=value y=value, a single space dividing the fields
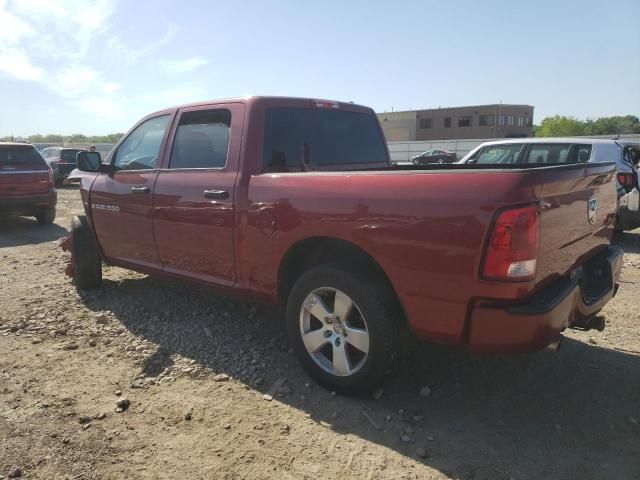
x=510 y=120
x=426 y=123
x=486 y=120
x=521 y=121
x=465 y=121
x=501 y=120
x=447 y=122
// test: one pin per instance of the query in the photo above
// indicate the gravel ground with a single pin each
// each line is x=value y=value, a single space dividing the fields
x=149 y=378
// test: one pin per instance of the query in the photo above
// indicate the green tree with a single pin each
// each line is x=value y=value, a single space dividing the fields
x=561 y=126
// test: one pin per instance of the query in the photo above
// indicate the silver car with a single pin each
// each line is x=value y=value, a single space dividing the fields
x=573 y=150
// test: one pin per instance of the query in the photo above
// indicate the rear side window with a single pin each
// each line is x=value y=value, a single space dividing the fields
x=69 y=155
x=499 y=154
x=301 y=139
x=201 y=140
x=21 y=159
x=548 y=153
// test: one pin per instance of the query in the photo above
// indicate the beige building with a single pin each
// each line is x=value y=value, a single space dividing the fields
x=481 y=121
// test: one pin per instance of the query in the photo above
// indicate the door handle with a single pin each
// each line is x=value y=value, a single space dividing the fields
x=217 y=194
x=140 y=190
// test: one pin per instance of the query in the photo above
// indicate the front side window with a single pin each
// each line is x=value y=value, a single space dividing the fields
x=548 y=153
x=303 y=139
x=499 y=154
x=140 y=150
x=201 y=140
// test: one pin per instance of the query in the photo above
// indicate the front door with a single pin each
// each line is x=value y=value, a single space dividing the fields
x=194 y=192
x=121 y=201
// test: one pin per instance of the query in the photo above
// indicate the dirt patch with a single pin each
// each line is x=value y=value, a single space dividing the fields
x=196 y=371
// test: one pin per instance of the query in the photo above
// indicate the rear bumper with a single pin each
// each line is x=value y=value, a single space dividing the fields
x=62 y=170
x=28 y=204
x=534 y=325
x=629 y=211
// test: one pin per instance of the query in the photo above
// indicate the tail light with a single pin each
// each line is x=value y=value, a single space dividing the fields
x=627 y=180
x=51 y=180
x=512 y=250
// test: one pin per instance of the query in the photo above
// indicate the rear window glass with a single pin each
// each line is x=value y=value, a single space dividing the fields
x=69 y=155
x=301 y=139
x=548 y=153
x=21 y=159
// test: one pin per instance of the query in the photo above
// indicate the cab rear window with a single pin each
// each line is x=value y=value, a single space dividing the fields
x=21 y=159
x=69 y=155
x=304 y=139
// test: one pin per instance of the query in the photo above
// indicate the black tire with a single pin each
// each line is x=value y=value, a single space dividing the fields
x=46 y=217
x=377 y=304
x=87 y=265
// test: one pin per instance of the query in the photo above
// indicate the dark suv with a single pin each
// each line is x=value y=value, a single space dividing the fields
x=61 y=160
x=26 y=183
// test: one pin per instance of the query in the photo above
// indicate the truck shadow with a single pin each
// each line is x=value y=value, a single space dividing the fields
x=628 y=241
x=572 y=414
x=16 y=231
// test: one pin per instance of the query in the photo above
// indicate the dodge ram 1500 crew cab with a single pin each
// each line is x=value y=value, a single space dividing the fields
x=295 y=201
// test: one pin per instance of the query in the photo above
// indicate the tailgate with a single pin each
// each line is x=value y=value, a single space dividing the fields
x=22 y=171
x=578 y=212
x=19 y=184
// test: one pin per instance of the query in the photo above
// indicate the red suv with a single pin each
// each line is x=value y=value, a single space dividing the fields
x=26 y=183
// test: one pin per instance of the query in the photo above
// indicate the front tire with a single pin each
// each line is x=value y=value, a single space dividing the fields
x=87 y=264
x=342 y=326
x=46 y=217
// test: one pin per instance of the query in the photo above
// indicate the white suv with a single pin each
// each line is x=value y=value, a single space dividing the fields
x=573 y=150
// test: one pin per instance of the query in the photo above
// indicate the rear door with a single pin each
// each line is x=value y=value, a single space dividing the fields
x=23 y=172
x=121 y=202
x=194 y=194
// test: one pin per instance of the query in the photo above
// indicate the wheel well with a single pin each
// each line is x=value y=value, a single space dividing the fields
x=316 y=251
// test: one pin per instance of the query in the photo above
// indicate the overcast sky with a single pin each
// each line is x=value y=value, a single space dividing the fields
x=96 y=66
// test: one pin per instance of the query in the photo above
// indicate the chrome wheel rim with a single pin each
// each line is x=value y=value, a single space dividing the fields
x=334 y=331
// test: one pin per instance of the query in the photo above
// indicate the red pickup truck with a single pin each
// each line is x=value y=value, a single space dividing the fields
x=295 y=201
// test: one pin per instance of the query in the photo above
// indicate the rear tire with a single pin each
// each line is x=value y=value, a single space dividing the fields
x=373 y=311
x=46 y=217
x=87 y=265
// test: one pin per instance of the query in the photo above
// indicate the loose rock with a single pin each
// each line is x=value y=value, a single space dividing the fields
x=405 y=438
x=122 y=405
x=221 y=377
x=14 y=472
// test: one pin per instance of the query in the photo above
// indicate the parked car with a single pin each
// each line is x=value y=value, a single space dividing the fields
x=573 y=150
x=62 y=161
x=434 y=156
x=26 y=183
x=295 y=202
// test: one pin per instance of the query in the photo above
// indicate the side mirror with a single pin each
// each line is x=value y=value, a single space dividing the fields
x=88 y=161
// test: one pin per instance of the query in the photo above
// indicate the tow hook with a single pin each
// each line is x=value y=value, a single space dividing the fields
x=596 y=322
